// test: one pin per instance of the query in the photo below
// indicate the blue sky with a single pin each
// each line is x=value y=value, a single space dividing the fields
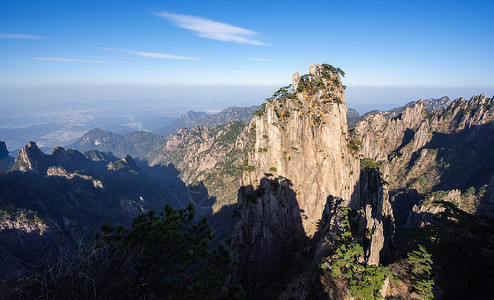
x=430 y=48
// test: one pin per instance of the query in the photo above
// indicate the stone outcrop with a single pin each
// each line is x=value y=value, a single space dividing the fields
x=61 y=172
x=377 y=217
x=304 y=139
x=373 y=216
x=30 y=158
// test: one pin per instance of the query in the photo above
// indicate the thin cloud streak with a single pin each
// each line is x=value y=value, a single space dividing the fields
x=20 y=36
x=69 y=60
x=258 y=59
x=149 y=54
x=210 y=29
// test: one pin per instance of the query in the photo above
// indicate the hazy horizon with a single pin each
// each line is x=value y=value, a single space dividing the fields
x=69 y=66
x=180 y=98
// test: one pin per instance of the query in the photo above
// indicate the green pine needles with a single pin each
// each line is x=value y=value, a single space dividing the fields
x=421 y=266
x=364 y=281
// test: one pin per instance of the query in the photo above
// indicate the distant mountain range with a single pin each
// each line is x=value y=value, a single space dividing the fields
x=139 y=144
x=192 y=119
x=431 y=105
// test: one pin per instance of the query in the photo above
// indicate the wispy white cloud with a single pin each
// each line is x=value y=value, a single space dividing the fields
x=210 y=29
x=258 y=59
x=149 y=54
x=69 y=59
x=20 y=36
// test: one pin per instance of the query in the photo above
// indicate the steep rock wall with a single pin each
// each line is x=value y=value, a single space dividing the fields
x=304 y=139
x=418 y=147
x=268 y=233
x=372 y=217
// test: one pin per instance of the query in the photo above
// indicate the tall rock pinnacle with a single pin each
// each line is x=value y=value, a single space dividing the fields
x=299 y=161
x=302 y=136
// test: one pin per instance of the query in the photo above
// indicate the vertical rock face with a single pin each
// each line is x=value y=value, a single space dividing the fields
x=373 y=218
x=419 y=147
x=30 y=158
x=268 y=234
x=300 y=160
x=380 y=136
x=377 y=216
x=303 y=137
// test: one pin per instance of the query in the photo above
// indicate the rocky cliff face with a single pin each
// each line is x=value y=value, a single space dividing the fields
x=425 y=212
x=376 y=217
x=304 y=138
x=301 y=162
x=30 y=158
x=211 y=156
x=443 y=155
x=370 y=215
x=268 y=235
x=417 y=144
